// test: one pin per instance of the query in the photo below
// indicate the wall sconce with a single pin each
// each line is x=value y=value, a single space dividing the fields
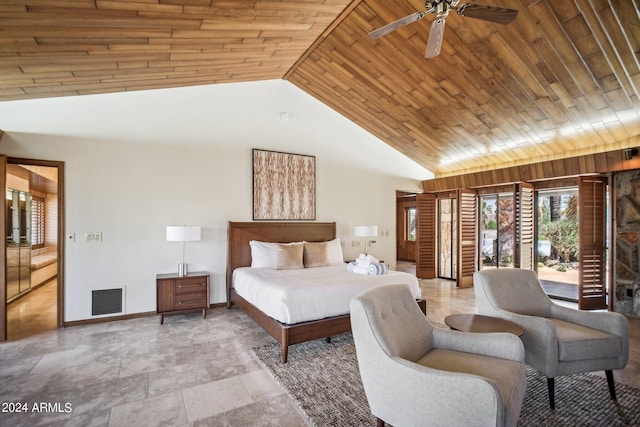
x=365 y=231
x=182 y=233
x=629 y=153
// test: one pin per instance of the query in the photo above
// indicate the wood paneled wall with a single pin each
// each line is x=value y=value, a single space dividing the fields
x=596 y=163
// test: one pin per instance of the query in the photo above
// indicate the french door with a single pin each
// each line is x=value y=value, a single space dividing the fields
x=447 y=238
x=497 y=230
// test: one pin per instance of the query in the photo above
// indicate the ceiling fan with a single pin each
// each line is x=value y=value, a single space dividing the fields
x=441 y=8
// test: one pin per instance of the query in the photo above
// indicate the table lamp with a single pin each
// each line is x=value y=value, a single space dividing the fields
x=183 y=233
x=365 y=231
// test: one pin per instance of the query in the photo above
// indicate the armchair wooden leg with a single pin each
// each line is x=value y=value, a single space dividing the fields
x=552 y=395
x=379 y=422
x=612 y=385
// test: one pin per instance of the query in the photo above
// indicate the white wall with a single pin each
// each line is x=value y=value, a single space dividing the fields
x=131 y=192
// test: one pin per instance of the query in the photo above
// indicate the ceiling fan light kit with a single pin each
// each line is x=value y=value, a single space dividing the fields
x=441 y=8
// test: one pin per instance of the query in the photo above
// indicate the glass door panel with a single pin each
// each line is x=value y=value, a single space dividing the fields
x=488 y=231
x=18 y=229
x=558 y=240
x=447 y=229
x=506 y=229
x=497 y=230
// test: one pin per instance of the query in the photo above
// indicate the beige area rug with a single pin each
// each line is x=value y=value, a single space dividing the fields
x=324 y=381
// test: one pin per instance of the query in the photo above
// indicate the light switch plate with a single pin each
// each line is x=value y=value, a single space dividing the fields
x=93 y=237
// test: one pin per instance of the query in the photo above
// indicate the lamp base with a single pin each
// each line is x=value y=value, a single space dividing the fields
x=183 y=269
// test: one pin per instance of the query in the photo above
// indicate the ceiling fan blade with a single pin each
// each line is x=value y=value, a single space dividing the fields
x=499 y=15
x=435 y=38
x=382 y=31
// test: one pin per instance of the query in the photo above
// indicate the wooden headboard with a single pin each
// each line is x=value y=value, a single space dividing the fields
x=240 y=233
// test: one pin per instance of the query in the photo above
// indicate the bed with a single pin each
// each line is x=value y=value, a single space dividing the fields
x=292 y=329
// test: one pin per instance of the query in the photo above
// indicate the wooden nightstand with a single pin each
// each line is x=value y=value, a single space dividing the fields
x=177 y=295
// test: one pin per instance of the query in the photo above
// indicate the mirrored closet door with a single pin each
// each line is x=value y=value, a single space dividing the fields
x=18 y=229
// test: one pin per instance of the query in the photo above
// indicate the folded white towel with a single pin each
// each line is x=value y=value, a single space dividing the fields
x=378 y=268
x=369 y=259
x=353 y=267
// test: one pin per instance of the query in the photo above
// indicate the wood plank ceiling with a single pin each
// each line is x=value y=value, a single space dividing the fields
x=563 y=79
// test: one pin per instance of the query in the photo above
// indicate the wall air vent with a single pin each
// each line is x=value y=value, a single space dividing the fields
x=106 y=301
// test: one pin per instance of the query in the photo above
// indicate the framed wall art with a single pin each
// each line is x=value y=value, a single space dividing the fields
x=284 y=186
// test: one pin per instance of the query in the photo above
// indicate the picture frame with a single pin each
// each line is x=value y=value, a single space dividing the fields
x=284 y=186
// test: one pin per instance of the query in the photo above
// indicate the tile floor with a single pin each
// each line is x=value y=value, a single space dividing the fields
x=189 y=371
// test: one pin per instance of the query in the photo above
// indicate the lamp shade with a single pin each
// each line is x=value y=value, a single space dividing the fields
x=365 y=230
x=183 y=233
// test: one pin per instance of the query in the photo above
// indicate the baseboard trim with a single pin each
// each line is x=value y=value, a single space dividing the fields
x=108 y=319
x=124 y=317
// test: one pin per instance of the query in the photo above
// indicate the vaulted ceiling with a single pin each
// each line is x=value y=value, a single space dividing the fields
x=563 y=79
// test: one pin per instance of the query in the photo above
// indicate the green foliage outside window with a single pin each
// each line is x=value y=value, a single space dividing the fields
x=563 y=235
x=411 y=225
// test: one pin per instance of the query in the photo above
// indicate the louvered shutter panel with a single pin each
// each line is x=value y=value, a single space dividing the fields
x=468 y=237
x=592 y=241
x=525 y=227
x=426 y=241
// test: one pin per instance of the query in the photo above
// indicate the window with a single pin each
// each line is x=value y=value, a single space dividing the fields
x=410 y=218
x=37 y=222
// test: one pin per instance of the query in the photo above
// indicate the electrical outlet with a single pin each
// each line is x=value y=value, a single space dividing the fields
x=355 y=244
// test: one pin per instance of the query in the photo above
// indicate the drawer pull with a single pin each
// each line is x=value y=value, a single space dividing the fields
x=202 y=300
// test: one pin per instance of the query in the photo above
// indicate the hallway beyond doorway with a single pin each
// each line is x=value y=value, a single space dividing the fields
x=33 y=313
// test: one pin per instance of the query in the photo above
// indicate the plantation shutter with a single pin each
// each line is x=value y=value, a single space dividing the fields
x=38 y=220
x=426 y=240
x=468 y=237
x=592 y=240
x=525 y=242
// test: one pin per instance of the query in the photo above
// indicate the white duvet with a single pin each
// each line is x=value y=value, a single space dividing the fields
x=300 y=295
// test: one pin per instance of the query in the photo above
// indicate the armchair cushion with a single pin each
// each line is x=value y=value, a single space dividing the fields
x=577 y=342
x=499 y=371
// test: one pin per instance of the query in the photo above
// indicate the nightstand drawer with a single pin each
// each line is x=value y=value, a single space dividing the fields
x=189 y=301
x=191 y=285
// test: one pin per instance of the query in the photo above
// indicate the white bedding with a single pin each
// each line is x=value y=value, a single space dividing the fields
x=304 y=294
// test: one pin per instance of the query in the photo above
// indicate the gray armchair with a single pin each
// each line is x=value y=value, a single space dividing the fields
x=557 y=340
x=415 y=374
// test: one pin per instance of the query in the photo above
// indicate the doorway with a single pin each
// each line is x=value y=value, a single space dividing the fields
x=406 y=231
x=34 y=255
x=557 y=260
x=497 y=230
x=447 y=238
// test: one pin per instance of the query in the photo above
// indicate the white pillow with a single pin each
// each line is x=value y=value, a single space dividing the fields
x=265 y=254
x=334 y=252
